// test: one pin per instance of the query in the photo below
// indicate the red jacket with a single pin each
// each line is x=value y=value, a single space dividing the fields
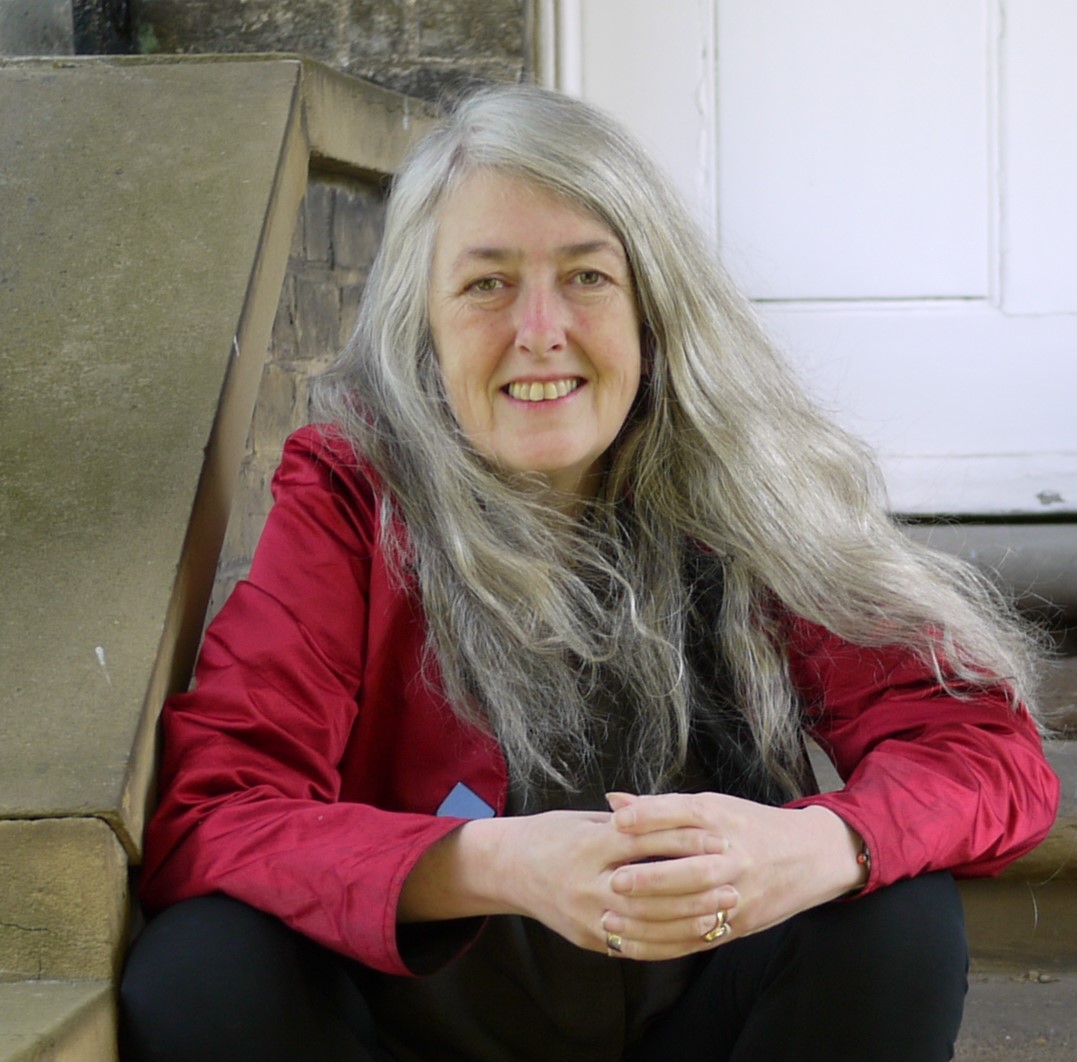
x=304 y=772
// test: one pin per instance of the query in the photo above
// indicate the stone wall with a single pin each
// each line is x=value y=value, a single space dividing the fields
x=425 y=48
x=336 y=237
x=65 y=27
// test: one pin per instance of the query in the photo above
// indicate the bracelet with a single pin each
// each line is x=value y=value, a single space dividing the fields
x=863 y=858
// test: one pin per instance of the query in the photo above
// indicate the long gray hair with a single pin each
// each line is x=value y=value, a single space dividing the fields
x=722 y=457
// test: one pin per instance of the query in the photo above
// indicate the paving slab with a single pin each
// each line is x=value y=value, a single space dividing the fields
x=1014 y=1016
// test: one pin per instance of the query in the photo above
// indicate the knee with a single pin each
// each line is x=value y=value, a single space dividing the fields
x=908 y=937
x=197 y=970
x=213 y=979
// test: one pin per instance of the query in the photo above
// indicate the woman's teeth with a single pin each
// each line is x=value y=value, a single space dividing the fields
x=542 y=392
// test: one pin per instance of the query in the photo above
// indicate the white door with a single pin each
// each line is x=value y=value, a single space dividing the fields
x=894 y=182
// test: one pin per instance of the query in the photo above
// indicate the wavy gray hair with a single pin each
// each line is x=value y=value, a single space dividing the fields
x=722 y=457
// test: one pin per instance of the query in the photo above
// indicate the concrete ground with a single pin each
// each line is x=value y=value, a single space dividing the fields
x=1023 y=1016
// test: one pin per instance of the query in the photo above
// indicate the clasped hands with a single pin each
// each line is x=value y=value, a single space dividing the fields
x=659 y=877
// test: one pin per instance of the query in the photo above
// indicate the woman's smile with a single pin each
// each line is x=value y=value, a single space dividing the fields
x=542 y=390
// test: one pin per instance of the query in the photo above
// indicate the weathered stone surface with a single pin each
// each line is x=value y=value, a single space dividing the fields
x=283 y=402
x=63 y=899
x=339 y=226
x=65 y=27
x=440 y=81
x=1015 y=922
x=432 y=49
x=140 y=270
x=127 y=252
x=318 y=223
x=317 y=300
x=358 y=222
x=383 y=28
x=1012 y=1017
x=57 y=1022
x=470 y=28
x=1059 y=696
x=36 y=27
x=310 y=27
x=102 y=27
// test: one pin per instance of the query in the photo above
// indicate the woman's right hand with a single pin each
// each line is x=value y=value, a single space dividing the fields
x=556 y=867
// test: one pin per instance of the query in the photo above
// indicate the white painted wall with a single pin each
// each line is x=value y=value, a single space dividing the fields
x=894 y=183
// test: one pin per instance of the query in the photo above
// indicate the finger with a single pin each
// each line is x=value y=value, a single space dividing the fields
x=685 y=876
x=667 y=811
x=688 y=943
x=632 y=912
x=686 y=933
x=669 y=844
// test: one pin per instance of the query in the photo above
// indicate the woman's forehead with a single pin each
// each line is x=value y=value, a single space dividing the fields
x=489 y=210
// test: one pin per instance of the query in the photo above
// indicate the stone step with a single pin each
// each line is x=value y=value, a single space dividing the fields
x=1059 y=695
x=57 y=1021
x=1028 y=916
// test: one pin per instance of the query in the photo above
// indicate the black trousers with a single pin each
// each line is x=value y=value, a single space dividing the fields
x=879 y=979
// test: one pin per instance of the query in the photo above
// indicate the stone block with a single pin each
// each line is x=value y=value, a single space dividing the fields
x=102 y=27
x=283 y=401
x=358 y=223
x=317 y=301
x=318 y=222
x=310 y=27
x=145 y=257
x=470 y=29
x=36 y=27
x=349 y=311
x=57 y=1022
x=1019 y=923
x=284 y=340
x=381 y=28
x=63 y=899
x=438 y=81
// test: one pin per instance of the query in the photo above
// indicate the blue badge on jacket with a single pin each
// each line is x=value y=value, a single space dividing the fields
x=462 y=803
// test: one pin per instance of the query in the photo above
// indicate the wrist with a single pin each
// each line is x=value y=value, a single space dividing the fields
x=458 y=876
x=845 y=855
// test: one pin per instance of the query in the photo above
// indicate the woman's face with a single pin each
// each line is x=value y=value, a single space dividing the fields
x=534 y=320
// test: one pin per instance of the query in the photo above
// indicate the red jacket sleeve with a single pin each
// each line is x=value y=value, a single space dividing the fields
x=932 y=781
x=250 y=775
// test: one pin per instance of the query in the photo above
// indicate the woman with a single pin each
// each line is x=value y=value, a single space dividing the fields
x=499 y=752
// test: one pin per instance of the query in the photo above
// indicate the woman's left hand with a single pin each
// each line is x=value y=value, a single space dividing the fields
x=780 y=861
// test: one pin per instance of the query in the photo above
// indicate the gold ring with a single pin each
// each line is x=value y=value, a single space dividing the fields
x=721 y=927
x=613 y=943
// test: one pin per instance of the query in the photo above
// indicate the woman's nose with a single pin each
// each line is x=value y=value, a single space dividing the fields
x=541 y=319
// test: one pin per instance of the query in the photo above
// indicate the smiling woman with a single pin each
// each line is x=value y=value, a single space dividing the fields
x=499 y=752
x=533 y=314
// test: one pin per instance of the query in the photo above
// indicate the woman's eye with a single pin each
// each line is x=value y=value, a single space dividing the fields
x=590 y=278
x=486 y=285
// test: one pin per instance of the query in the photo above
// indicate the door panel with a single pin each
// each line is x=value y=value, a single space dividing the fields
x=893 y=183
